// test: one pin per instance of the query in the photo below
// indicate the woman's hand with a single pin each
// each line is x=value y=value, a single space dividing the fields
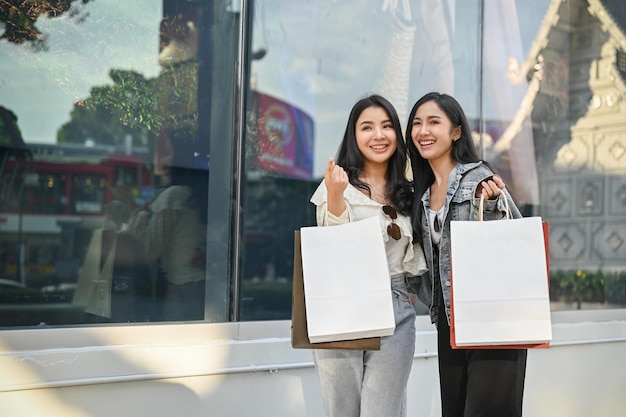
x=335 y=178
x=490 y=188
x=336 y=181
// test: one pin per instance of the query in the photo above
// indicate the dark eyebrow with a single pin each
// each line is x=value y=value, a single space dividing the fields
x=365 y=122
x=434 y=116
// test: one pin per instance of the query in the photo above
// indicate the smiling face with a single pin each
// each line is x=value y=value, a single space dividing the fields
x=375 y=136
x=432 y=132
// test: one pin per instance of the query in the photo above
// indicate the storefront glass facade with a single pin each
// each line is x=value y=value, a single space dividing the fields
x=157 y=155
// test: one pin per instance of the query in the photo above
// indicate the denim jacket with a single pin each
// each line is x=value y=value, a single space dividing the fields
x=460 y=205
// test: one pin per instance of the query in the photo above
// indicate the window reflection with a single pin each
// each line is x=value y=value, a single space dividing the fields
x=541 y=90
x=136 y=98
x=575 y=121
x=104 y=182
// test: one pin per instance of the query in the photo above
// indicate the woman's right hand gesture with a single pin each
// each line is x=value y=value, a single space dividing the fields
x=336 y=182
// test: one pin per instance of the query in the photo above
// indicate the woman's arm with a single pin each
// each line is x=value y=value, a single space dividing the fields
x=336 y=181
x=331 y=206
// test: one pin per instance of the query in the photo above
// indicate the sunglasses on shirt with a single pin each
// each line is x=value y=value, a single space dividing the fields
x=393 y=230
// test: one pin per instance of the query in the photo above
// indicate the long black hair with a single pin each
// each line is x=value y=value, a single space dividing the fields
x=463 y=151
x=351 y=160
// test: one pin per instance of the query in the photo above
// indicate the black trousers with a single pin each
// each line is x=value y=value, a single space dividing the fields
x=479 y=382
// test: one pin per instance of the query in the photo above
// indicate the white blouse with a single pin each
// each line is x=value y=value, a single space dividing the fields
x=402 y=256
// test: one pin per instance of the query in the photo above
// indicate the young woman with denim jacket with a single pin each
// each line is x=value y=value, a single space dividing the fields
x=449 y=179
x=369 y=180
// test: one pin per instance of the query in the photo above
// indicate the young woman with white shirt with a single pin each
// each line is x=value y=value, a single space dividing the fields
x=368 y=179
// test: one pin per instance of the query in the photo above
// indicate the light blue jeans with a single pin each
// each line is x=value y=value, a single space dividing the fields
x=357 y=383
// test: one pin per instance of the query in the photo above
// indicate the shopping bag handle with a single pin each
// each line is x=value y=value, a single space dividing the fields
x=506 y=203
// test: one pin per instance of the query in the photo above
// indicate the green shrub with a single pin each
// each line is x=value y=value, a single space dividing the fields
x=577 y=286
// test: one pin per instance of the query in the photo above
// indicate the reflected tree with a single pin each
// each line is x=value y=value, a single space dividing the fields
x=110 y=113
x=134 y=105
x=19 y=18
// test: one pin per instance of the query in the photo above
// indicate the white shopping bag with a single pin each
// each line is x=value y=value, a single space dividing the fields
x=347 y=288
x=500 y=293
x=93 y=290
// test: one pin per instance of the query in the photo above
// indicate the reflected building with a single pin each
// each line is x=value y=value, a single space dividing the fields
x=577 y=103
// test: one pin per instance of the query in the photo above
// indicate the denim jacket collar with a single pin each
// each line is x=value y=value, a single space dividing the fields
x=453 y=182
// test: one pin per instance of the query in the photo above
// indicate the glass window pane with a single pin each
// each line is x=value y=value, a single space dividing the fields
x=544 y=96
x=310 y=61
x=555 y=122
x=110 y=115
